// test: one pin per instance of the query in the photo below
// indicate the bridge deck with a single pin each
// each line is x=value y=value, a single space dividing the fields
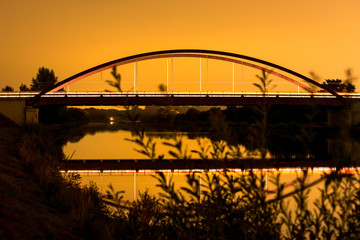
x=178 y=101
x=192 y=98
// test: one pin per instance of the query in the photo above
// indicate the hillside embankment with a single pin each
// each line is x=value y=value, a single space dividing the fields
x=37 y=202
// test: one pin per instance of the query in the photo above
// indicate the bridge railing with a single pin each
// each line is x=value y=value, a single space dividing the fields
x=192 y=94
x=18 y=94
x=13 y=95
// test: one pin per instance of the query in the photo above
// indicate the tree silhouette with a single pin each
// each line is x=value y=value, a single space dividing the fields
x=45 y=79
x=338 y=85
x=24 y=88
x=7 y=89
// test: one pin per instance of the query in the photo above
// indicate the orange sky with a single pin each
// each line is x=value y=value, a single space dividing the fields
x=71 y=36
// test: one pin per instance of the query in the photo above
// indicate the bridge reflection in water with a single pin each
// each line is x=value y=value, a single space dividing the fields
x=135 y=182
x=171 y=164
x=134 y=175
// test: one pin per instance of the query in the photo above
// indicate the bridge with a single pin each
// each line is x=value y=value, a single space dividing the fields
x=191 y=98
x=52 y=96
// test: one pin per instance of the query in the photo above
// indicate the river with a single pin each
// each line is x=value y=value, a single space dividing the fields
x=115 y=144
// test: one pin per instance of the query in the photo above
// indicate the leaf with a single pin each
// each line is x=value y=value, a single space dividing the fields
x=142 y=152
x=175 y=155
x=191 y=192
x=169 y=144
x=260 y=87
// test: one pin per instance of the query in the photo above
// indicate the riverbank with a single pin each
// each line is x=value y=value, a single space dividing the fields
x=36 y=201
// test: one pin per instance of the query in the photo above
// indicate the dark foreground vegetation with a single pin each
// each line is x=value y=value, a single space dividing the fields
x=38 y=202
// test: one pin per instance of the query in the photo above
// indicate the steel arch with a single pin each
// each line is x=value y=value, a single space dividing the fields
x=211 y=54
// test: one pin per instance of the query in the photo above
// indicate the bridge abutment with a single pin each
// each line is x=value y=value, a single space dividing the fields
x=31 y=116
x=355 y=106
x=343 y=146
x=17 y=111
x=355 y=109
x=340 y=145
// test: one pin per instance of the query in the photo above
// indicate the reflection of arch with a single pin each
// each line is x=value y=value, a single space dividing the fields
x=211 y=54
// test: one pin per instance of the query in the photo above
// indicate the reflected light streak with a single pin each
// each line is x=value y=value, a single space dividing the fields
x=349 y=170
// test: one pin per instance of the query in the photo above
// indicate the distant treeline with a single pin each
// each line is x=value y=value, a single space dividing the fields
x=247 y=114
x=235 y=125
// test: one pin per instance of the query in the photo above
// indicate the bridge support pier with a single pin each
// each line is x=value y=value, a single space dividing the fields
x=14 y=110
x=355 y=107
x=343 y=147
x=17 y=111
x=31 y=116
x=340 y=145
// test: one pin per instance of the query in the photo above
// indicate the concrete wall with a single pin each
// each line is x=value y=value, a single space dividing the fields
x=13 y=109
x=17 y=111
x=344 y=146
x=355 y=107
x=31 y=116
x=355 y=153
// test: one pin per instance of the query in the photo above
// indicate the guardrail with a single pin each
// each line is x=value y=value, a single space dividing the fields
x=176 y=94
x=18 y=94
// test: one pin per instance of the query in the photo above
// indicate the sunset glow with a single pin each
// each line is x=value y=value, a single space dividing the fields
x=69 y=37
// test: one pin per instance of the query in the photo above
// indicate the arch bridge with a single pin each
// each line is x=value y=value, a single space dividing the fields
x=48 y=97
x=53 y=96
